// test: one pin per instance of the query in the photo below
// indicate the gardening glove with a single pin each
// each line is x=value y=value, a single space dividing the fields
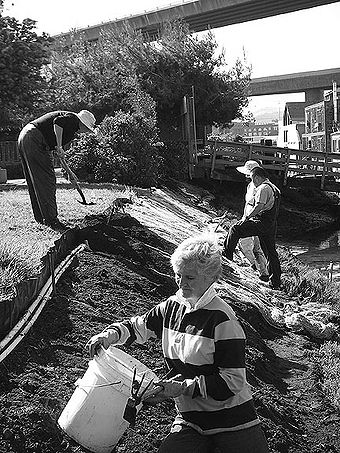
x=174 y=387
x=154 y=395
x=60 y=152
x=104 y=339
x=165 y=389
x=98 y=133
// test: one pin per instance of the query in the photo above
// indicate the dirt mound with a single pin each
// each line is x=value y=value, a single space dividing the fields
x=127 y=272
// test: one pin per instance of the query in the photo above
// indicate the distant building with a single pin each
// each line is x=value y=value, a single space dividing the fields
x=335 y=142
x=292 y=126
x=264 y=133
x=320 y=124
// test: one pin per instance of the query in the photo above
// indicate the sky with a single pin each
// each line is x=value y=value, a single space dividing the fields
x=300 y=41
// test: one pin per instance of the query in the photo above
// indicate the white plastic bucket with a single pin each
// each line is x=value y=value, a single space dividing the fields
x=93 y=416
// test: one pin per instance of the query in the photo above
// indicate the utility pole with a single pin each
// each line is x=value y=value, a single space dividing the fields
x=194 y=120
x=335 y=103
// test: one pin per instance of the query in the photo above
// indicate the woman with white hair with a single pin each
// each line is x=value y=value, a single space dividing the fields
x=36 y=143
x=204 y=350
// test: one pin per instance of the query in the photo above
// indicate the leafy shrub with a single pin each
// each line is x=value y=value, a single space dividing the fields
x=174 y=160
x=123 y=151
x=92 y=159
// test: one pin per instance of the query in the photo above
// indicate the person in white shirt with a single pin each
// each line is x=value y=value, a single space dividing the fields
x=260 y=220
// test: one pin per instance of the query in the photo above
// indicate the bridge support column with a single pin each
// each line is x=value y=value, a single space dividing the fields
x=313 y=95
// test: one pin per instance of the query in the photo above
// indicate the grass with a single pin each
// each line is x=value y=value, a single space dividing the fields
x=328 y=364
x=307 y=283
x=18 y=261
x=23 y=241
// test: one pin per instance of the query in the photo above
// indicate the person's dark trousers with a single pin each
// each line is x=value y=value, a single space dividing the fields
x=184 y=439
x=37 y=163
x=267 y=242
x=266 y=234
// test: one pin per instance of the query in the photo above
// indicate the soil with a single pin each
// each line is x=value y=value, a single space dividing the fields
x=124 y=272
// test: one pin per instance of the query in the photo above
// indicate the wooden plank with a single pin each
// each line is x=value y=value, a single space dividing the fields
x=305 y=171
x=272 y=159
x=274 y=167
x=318 y=163
x=230 y=153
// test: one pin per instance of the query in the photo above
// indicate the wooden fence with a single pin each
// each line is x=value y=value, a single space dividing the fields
x=9 y=153
x=219 y=160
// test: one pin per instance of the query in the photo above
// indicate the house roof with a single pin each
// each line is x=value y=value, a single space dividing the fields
x=296 y=111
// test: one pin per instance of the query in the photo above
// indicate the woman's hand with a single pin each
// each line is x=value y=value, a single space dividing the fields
x=104 y=339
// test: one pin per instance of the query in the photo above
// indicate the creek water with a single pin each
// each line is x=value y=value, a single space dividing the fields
x=319 y=251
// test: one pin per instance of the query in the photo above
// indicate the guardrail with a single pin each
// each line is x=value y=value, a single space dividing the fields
x=219 y=158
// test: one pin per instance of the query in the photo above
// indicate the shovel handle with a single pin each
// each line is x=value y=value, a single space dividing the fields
x=73 y=178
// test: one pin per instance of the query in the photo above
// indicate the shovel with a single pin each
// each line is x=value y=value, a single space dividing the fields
x=74 y=182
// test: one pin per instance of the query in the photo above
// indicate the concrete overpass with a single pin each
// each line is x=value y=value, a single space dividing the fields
x=313 y=83
x=200 y=15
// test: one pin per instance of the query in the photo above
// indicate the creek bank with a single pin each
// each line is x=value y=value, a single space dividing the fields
x=126 y=272
x=303 y=210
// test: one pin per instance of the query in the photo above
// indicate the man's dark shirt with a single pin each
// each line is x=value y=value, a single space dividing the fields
x=67 y=120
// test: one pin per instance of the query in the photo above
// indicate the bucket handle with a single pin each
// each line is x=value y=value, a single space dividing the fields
x=115 y=359
x=78 y=383
x=122 y=364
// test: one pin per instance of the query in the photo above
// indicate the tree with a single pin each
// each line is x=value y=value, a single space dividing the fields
x=124 y=71
x=22 y=56
x=98 y=77
x=181 y=61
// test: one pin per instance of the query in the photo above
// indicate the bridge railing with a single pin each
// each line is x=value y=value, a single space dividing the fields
x=219 y=157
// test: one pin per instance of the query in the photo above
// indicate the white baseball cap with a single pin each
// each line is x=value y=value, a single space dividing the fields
x=248 y=167
x=87 y=118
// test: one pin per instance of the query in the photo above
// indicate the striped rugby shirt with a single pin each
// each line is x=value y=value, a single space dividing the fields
x=206 y=345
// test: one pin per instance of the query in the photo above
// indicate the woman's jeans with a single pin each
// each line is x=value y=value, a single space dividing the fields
x=266 y=233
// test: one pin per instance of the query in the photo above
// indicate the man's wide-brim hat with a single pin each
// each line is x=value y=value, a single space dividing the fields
x=248 y=167
x=87 y=118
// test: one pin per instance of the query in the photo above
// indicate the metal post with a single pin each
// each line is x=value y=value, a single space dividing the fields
x=324 y=170
x=213 y=160
x=286 y=169
x=51 y=258
x=330 y=273
x=335 y=103
x=194 y=120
